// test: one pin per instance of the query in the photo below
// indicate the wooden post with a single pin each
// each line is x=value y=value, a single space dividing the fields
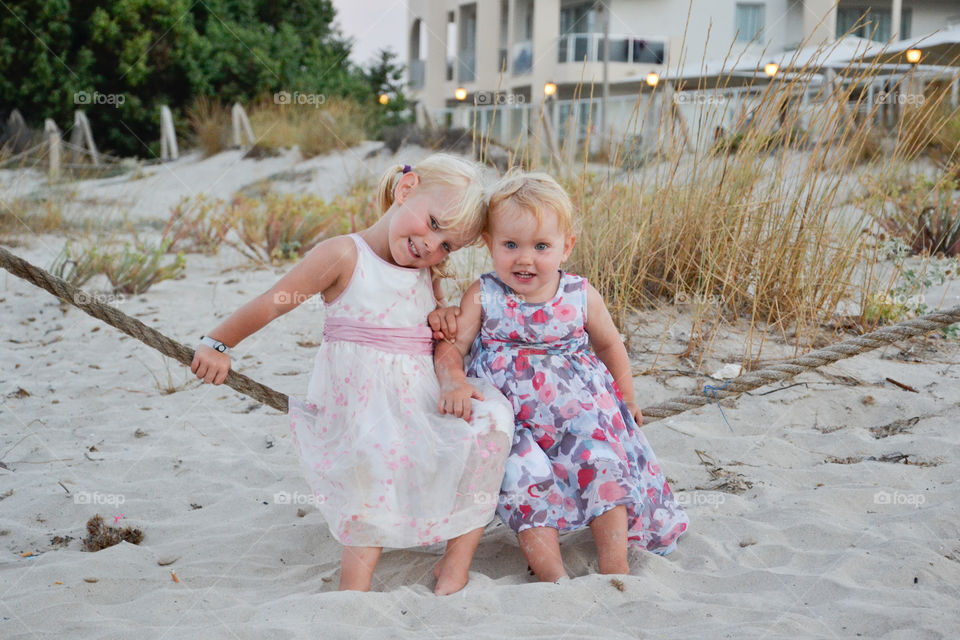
x=168 y=136
x=53 y=138
x=241 y=126
x=18 y=130
x=81 y=131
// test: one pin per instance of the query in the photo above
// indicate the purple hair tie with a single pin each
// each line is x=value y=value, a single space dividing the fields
x=406 y=168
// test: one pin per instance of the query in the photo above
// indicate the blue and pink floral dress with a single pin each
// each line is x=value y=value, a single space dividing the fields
x=577 y=451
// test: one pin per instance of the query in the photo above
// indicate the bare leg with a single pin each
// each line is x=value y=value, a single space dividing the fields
x=356 y=567
x=541 y=548
x=453 y=570
x=610 y=535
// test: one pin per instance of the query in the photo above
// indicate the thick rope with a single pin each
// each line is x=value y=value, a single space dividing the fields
x=814 y=359
x=131 y=326
x=747 y=382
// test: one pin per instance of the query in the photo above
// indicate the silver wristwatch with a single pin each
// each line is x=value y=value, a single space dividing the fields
x=214 y=344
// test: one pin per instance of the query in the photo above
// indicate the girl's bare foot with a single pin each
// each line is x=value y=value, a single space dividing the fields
x=453 y=570
x=450 y=578
x=541 y=548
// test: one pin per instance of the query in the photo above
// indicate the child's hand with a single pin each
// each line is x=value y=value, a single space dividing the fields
x=456 y=400
x=210 y=365
x=444 y=323
x=635 y=412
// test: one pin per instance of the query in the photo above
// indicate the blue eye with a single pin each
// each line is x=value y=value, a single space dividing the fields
x=542 y=246
x=434 y=224
x=446 y=247
x=510 y=244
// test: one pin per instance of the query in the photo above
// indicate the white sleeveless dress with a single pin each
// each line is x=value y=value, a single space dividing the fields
x=386 y=468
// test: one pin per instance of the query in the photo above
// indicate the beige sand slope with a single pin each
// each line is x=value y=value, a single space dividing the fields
x=813 y=549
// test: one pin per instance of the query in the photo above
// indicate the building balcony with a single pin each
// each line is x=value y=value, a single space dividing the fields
x=588 y=47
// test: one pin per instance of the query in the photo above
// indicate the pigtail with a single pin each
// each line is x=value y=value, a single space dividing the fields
x=387 y=186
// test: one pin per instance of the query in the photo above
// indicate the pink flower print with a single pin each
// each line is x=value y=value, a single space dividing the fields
x=605 y=401
x=554 y=498
x=514 y=335
x=652 y=468
x=521 y=363
x=618 y=423
x=538 y=379
x=525 y=413
x=585 y=455
x=570 y=410
x=562 y=522
x=559 y=471
x=511 y=303
x=611 y=491
x=598 y=434
x=499 y=363
x=565 y=312
x=539 y=317
x=545 y=442
x=548 y=393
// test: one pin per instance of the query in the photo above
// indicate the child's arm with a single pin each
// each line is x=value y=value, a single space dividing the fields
x=455 y=391
x=324 y=268
x=606 y=343
x=443 y=319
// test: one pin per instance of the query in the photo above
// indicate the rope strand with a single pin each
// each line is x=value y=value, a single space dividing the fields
x=239 y=382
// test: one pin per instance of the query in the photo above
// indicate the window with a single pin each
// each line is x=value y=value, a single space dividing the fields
x=749 y=22
x=871 y=22
x=579 y=18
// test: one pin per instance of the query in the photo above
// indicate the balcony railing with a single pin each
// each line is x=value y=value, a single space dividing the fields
x=417 y=73
x=577 y=47
x=522 y=57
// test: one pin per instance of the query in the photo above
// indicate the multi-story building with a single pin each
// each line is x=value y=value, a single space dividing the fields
x=506 y=52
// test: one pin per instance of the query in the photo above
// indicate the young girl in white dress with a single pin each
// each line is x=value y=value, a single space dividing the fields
x=388 y=470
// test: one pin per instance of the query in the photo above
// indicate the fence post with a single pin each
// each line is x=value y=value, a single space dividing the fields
x=168 y=137
x=241 y=125
x=53 y=138
x=81 y=129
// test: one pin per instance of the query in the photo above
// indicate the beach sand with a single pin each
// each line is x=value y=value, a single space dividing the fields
x=823 y=542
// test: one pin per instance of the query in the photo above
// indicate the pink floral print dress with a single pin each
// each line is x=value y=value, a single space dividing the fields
x=577 y=451
x=386 y=468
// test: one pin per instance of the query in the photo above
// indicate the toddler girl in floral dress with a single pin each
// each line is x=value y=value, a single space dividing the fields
x=545 y=339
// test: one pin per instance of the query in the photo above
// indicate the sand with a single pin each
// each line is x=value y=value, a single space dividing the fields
x=818 y=546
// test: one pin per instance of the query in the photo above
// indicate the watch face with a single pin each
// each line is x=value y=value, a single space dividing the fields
x=221 y=347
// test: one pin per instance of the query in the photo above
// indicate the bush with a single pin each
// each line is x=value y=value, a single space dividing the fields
x=924 y=213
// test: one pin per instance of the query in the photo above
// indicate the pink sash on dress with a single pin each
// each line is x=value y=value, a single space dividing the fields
x=415 y=341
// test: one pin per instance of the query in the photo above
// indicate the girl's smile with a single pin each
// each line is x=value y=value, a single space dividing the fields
x=417 y=235
x=526 y=253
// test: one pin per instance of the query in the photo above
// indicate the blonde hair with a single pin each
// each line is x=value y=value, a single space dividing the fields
x=533 y=192
x=441 y=169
